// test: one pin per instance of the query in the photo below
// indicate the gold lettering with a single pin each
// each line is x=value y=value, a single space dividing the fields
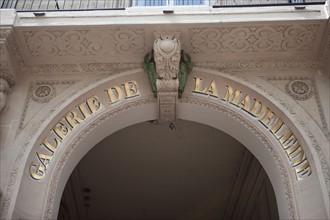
x=298 y=158
x=303 y=170
x=246 y=103
x=269 y=119
x=93 y=103
x=86 y=113
x=61 y=130
x=198 y=85
x=231 y=96
x=37 y=173
x=50 y=147
x=131 y=89
x=72 y=118
x=44 y=159
x=289 y=141
x=292 y=148
x=258 y=109
x=115 y=94
x=277 y=127
x=213 y=91
x=283 y=137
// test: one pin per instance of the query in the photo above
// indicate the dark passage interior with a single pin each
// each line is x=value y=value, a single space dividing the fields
x=156 y=171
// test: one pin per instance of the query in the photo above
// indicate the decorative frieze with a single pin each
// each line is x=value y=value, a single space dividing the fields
x=84 y=42
x=261 y=38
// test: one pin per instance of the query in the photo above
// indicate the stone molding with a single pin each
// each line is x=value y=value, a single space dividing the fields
x=234 y=65
x=259 y=64
x=10 y=55
x=84 y=68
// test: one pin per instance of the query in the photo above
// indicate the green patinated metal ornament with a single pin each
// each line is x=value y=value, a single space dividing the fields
x=149 y=66
x=185 y=68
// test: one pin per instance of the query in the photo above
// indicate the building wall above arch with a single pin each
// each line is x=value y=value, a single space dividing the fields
x=136 y=105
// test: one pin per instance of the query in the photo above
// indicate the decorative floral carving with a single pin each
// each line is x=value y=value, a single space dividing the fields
x=167 y=51
x=299 y=89
x=253 y=38
x=84 y=42
x=43 y=93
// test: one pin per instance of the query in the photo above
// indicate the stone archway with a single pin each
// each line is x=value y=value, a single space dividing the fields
x=183 y=170
x=45 y=193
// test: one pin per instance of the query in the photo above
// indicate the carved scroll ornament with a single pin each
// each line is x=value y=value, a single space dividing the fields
x=167 y=67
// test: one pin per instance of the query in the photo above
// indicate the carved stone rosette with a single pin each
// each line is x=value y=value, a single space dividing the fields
x=299 y=89
x=167 y=52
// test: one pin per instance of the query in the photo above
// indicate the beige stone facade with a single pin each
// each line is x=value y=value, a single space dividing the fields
x=58 y=72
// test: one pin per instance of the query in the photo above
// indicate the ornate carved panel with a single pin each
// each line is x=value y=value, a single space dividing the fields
x=79 y=44
x=84 y=42
x=262 y=38
x=257 y=45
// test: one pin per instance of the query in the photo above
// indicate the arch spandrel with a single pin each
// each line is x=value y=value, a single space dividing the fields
x=143 y=107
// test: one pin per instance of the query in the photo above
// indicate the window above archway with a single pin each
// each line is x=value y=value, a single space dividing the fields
x=168 y=2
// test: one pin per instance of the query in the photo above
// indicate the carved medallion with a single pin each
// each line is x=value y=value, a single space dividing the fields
x=299 y=89
x=43 y=93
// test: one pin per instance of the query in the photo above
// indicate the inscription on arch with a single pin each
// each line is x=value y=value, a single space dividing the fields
x=266 y=116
